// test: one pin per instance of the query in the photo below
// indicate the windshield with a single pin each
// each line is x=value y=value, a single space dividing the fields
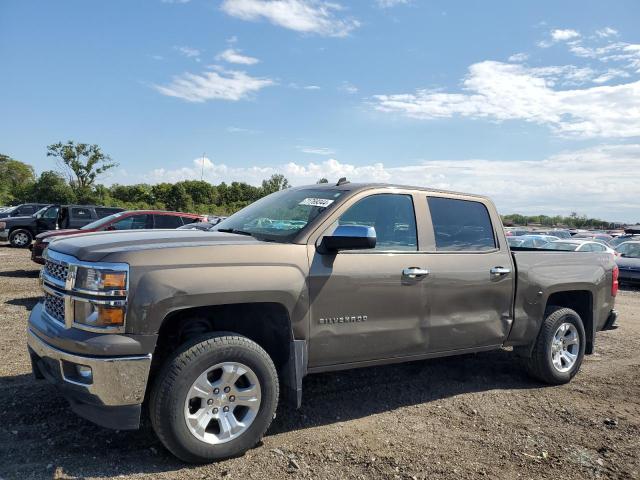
x=101 y=222
x=631 y=250
x=569 y=247
x=281 y=216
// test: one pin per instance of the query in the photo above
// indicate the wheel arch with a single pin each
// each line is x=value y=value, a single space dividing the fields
x=580 y=301
x=266 y=323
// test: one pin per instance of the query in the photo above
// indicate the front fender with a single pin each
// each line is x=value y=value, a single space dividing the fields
x=158 y=292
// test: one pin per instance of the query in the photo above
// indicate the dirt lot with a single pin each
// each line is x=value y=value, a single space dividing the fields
x=466 y=417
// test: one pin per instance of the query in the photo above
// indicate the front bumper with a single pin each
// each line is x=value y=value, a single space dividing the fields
x=112 y=397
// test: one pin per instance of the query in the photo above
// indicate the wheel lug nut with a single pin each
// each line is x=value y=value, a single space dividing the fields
x=232 y=398
x=210 y=402
x=227 y=389
x=225 y=409
x=215 y=410
x=216 y=391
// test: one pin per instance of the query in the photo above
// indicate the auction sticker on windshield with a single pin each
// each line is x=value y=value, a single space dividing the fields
x=316 y=202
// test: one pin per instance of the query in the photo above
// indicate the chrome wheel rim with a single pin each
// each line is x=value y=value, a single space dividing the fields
x=565 y=347
x=21 y=239
x=222 y=403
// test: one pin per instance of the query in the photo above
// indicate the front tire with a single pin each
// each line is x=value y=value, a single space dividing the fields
x=20 y=238
x=215 y=398
x=559 y=349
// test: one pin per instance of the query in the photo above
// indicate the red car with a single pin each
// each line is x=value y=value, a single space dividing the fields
x=129 y=220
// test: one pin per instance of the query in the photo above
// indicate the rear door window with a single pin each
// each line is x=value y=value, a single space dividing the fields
x=167 y=221
x=133 y=222
x=461 y=225
x=81 y=213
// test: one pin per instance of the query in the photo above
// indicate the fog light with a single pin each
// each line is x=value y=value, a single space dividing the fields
x=84 y=372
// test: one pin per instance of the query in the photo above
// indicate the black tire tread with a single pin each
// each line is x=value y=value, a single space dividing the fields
x=172 y=369
x=535 y=364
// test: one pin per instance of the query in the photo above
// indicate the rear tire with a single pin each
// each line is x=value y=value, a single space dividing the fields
x=559 y=348
x=20 y=238
x=197 y=424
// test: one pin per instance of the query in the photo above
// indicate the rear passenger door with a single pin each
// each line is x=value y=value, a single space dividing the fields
x=471 y=277
x=80 y=216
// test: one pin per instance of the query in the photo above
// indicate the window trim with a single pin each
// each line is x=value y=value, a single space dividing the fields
x=432 y=249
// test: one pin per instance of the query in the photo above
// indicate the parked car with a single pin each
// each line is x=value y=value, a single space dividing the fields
x=561 y=234
x=629 y=262
x=203 y=226
x=20 y=231
x=536 y=241
x=130 y=220
x=599 y=237
x=22 y=210
x=627 y=237
x=515 y=241
x=574 y=245
x=213 y=330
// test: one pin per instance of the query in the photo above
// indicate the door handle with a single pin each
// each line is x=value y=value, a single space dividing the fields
x=499 y=271
x=415 y=272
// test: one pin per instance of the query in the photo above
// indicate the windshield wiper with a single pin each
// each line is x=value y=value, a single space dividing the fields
x=235 y=230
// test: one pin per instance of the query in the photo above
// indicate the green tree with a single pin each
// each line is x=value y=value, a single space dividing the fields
x=51 y=187
x=16 y=178
x=275 y=183
x=82 y=162
x=323 y=180
x=179 y=200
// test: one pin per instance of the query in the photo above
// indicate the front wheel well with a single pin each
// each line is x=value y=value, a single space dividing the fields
x=581 y=301
x=267 y=324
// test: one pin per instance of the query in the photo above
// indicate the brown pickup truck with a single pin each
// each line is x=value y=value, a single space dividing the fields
x=212 y=328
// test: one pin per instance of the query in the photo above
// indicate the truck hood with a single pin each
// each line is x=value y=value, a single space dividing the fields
x=53 y=233
x=95 y=246
x=17 y=220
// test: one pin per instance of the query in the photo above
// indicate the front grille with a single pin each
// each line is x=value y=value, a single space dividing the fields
x=54 y=306
x=56 y=270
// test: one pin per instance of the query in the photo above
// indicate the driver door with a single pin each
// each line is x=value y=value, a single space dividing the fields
x=363 y=307
x=48 y=220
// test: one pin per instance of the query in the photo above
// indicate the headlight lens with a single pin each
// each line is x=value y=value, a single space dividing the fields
x=101 y=316
x=100 y=280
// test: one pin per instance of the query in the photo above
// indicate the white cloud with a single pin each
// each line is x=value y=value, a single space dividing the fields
x=611 y=74
x=519 y=57
x=217 y=84
x=241 y=130
x=595 y=181
x=560 y=35
x=235 y=56
x=188 y=52
x=311 y=87
x=307 y=16
x=316 y=150
x=501 y=91
x=349 y=88
x=607 y=32
x=390 y=3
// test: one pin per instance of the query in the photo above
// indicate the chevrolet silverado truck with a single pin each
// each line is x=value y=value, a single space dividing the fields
x=211 y=329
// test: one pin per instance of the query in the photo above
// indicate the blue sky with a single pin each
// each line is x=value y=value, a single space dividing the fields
x=536 y=104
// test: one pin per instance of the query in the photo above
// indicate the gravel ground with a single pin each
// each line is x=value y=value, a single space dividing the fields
x=465 y=417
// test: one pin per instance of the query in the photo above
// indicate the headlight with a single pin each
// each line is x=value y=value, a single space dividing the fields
x=100 y=280
x=3 y=225
x=98 y=316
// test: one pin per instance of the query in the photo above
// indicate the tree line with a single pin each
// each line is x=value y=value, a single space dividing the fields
x=80 y=164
